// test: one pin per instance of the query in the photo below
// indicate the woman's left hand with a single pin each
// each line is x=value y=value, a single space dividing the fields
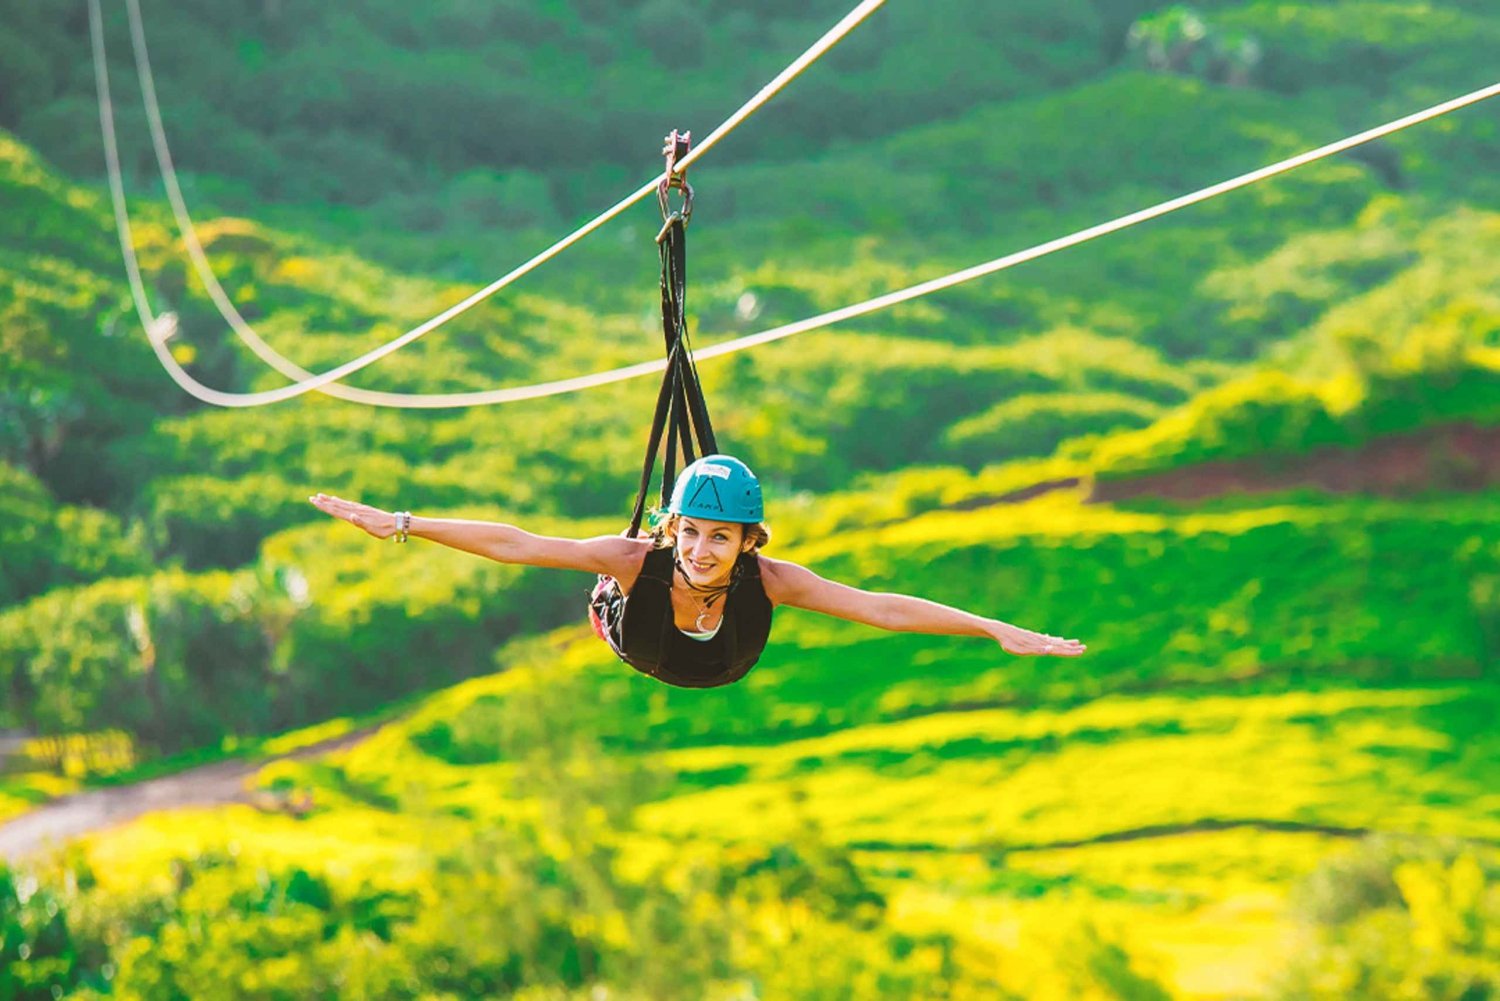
x=1024 y=642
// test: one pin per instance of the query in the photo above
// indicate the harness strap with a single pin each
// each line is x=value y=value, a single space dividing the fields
x=653 y=444
x=674 y=262
x=681 y=412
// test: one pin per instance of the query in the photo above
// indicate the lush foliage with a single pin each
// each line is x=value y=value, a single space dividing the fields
x=1420 y=348
x=542 y=904
x=186 y=660
x=45 y=545
x=1401 y=918
x=879 y=745
x=867 y=815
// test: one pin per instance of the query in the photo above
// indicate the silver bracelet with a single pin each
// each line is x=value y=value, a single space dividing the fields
x=403 y=525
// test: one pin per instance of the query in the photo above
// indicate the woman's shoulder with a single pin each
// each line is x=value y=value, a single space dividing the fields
x=777 y=577
x=627 y=558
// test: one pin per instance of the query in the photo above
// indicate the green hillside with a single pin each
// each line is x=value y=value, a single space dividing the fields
x=1247 y=453
x=902 y=806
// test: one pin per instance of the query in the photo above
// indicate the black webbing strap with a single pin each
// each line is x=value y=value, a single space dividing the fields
x=681 y=412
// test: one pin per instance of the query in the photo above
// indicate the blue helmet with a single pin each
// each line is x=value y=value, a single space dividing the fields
x=718 y=488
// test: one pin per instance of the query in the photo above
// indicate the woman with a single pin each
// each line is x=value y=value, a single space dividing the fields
x=710 y=628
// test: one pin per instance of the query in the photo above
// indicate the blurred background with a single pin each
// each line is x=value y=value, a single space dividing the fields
x=1248 y=453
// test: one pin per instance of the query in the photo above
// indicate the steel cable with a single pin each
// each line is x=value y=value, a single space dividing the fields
x=326 y=381
x=578 y=383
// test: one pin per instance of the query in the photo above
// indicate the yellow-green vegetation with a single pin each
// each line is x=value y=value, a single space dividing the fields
x=22 y=790
x=1273 y=775
x=1433 y=358
x=939 y=827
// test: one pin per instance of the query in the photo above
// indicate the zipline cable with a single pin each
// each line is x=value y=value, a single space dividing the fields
x=578 y=383
x=326 y=381
x=201 y=265
x=830 y=38
x=1080 y=236
x=154 y=333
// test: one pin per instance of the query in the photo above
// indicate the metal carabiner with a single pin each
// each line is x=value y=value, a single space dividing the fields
x=675 y=148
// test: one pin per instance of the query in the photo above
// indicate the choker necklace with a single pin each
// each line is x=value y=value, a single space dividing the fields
x=714 y=592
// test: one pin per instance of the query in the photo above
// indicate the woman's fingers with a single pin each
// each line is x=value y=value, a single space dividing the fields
x=361 y=516
x=1056 y=646
x=336 y=506
x=1041 y=644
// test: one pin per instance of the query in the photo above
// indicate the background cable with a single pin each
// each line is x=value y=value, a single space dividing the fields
x=307 y=381
x=1094 y=232
x=157 y=331
x=201 y=265
x=577 y=383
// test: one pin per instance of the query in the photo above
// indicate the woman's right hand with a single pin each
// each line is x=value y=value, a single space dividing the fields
x=381 y=524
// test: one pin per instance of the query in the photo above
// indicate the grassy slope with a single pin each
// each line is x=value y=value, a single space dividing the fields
x=953 y=785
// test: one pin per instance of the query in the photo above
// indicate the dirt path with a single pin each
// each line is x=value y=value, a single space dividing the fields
x=83 y=813
x=1450 y=457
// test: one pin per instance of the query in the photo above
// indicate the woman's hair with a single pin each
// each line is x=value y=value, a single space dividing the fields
x=665 y=533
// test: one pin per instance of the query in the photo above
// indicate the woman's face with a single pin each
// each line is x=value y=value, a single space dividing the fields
x=707 y=549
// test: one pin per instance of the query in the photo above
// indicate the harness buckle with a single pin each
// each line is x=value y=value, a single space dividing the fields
x=675 y=147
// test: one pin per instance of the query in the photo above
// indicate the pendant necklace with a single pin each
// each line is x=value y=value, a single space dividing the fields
x=714 y=594
x=698 y=622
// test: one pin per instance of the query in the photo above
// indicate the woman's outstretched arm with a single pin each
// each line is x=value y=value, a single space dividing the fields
x=609 y=554
x=791 y=584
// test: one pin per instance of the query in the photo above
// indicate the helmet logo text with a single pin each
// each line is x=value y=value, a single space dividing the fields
x=710 y=503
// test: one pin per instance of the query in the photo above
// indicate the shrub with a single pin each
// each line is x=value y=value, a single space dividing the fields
x=171 y=659
x=1400 y=918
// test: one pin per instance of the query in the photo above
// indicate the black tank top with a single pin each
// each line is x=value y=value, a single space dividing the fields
x=642 y=630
